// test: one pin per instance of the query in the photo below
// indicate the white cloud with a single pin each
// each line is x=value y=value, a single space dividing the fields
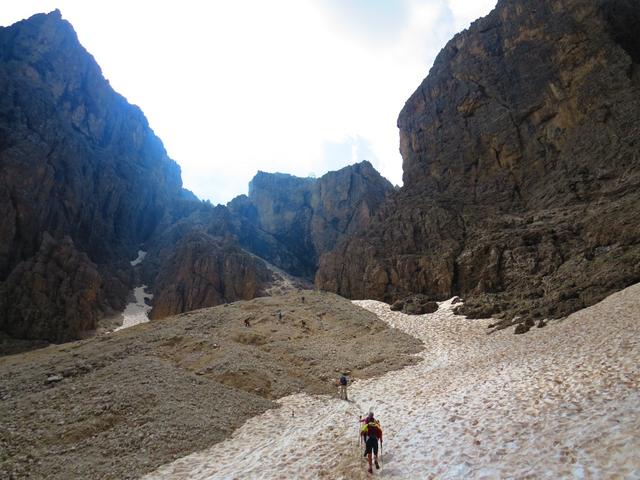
x=233 y=87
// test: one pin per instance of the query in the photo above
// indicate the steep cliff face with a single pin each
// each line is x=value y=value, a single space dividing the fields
x=58 y=282
x=521 y=168
x=214 y=255
x=202 y=271
x=84 y=183
x=197 y=262
x=77 y=162
x=307 y=217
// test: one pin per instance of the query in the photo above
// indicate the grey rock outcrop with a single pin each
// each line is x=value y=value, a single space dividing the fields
x=417 y=304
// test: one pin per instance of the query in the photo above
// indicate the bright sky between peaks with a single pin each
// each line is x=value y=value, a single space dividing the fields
x=295 y=86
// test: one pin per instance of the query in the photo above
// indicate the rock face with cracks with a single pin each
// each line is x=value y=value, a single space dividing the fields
x=202 y=271
x=214 y=255
x=83 y=182
x=57 y=282
x=307 y=216
x=521 y=169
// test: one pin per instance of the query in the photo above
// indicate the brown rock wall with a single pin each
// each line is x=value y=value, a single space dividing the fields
x=52 y=295
x=521 y=168
x=204 y=271
x=78 y=161
x=306 y=217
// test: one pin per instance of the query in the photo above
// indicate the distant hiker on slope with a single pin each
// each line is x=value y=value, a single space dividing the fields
x=371 y=432
x=342 y=386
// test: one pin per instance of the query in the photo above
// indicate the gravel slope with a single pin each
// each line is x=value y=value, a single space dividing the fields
x=558 y=402
x=120 y=405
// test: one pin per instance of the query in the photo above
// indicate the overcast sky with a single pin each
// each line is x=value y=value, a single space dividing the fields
x=296 y=86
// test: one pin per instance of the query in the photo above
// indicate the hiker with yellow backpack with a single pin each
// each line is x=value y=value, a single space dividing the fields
x=371 y=432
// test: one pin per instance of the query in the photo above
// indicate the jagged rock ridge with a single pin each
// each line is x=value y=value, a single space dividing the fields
x=85 y=183
x=201 y=270
x=214 y=255
x=521 y=168
x=308 y=216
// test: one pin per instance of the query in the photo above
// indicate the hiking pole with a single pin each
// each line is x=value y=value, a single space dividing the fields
x=359 y=434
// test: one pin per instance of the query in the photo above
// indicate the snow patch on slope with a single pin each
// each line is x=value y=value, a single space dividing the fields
x=558 y=402
x=137 y=311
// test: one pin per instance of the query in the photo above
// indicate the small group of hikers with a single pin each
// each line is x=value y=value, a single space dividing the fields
x=370 y=433
x=370 y=430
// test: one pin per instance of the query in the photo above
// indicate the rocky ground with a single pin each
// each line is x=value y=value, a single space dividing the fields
x=120 y=405
x=560 y=402
x=11 y=346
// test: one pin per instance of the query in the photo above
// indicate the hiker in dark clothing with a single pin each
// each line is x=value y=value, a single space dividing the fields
x=342 y=386
x=372 y=432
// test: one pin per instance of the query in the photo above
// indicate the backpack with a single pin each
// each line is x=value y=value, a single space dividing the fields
x=372 y=429
x=343 y=380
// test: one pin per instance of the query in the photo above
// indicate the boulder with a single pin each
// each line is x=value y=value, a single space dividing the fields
x=415 y=305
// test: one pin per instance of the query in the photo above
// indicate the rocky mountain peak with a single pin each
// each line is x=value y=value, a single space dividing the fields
x=84 y=178
x=510 y=96
x=276 y=181
x=308 y=216
x=521 y=168
x=77 y=162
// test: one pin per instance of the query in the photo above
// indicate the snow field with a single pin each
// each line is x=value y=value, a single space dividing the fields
x=559 y=402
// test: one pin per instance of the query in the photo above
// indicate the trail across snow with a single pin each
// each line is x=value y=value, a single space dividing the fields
x=558 y=402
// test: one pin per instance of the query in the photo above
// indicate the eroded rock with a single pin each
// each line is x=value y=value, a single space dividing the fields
x=307 y=216
x=203 y=271
x=521 y=169
x=415 y=305
x=57 y=282
x=83 y=182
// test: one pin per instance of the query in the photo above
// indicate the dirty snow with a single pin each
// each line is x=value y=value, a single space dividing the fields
x=137 y=311
x=139 y=259
x=559 y=402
